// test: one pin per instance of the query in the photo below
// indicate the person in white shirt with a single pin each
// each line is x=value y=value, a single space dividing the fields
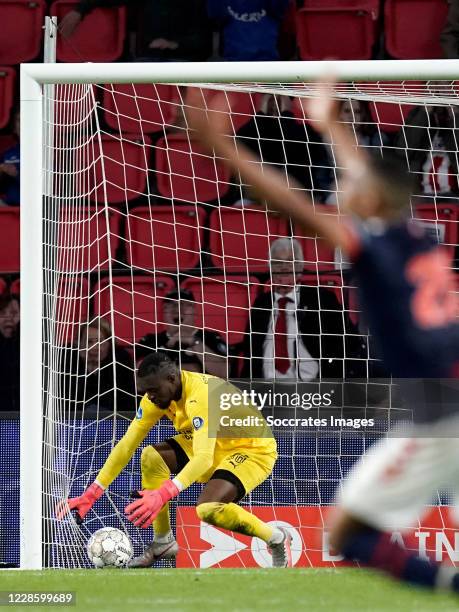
x=284 y=353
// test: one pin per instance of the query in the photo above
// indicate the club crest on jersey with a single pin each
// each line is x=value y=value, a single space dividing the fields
x=139 y=413
x=198 y=422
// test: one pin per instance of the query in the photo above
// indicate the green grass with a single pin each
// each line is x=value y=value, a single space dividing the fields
x=225 y=590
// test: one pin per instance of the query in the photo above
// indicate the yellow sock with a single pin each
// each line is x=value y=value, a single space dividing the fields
x=154 y=473
x=234 y=518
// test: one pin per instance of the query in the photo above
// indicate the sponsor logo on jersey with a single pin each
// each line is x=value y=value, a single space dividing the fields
x=139 y=413
x=198 y=422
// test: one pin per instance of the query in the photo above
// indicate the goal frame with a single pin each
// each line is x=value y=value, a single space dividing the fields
x=33 y=78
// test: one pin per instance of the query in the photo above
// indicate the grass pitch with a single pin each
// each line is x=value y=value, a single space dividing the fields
x=225 y=590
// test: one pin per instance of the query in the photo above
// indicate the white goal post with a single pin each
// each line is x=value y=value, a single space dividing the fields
x=35 y=133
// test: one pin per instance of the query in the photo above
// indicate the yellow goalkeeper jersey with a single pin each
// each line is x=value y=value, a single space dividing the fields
x=192 y=414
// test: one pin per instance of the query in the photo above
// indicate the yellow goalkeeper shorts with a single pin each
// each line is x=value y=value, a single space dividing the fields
x=244 y=467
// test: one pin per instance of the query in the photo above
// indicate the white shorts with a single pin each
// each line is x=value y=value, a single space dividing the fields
x=392 y=483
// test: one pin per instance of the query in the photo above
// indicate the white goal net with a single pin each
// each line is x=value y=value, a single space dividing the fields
x=150 y=242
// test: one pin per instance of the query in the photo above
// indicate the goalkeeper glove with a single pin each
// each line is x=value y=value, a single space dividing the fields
x=144 y=510
x=81 y=504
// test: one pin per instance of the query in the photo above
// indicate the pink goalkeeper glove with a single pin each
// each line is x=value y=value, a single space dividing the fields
x=143 y=511
x=81 y=504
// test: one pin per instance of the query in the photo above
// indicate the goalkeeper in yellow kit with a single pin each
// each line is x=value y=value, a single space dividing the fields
x=231 y=467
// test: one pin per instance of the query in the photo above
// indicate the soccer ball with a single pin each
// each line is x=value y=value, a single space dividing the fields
x=109 y=547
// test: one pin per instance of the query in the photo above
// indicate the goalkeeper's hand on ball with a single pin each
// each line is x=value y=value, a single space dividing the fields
x=143 y=511
x=81 y=504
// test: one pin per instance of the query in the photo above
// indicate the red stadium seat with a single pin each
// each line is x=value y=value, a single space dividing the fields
x=141 y=107
x=125 y=168
x=442 y=220
x=72 y=308
x=98 y=38
x=137 y=304
x=3 y=286
x=15 y=287
x=186 y=172
x=164 y=237
x=223 y=304
x=413 y=28
x=317 y=254
x=391 y=115
x=243 y=105
x=7 y=78
x=9 y=239
x=22 y=30
x=85 y=241
x=337 y=29
x=240 y=238
x=75 y=108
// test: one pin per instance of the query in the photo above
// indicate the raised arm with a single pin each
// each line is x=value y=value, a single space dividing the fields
x=212 y=126
x=323 y=110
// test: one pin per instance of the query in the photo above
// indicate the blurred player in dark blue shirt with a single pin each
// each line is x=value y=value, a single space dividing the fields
x=406 y=290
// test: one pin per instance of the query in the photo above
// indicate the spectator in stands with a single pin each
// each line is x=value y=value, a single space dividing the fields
x=356 y=113
x=428 y=142
x=296 y=331
x=450 y=36
x=10 y=169
x=250 y=28
x=168 y=30
x=197 y=349
x=93 y=373
x=279 y=139
x=9 y=352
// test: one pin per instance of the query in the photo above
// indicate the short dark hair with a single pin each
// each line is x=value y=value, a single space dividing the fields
x=395 y=183
x=6 y=299
x=156 y=363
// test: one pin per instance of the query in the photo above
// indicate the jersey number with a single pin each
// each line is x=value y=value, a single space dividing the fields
x=434 y=303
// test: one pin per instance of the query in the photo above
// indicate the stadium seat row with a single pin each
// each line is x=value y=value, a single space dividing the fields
x=144 y=109
x=222 y=304
x=99 y=38
x=147 y=108
x=349 y=29
x=341 y=29
x=180 y=169
x=172 y=239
